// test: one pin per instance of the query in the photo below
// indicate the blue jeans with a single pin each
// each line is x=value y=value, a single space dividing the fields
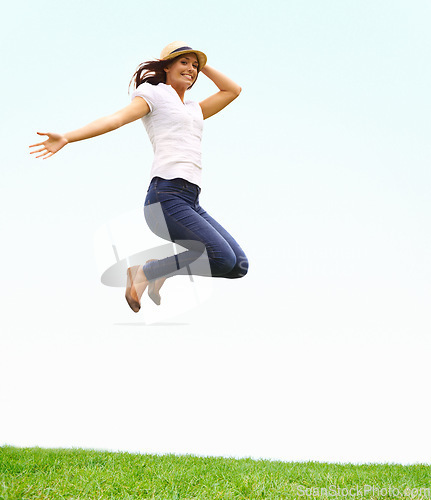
x=172 y=211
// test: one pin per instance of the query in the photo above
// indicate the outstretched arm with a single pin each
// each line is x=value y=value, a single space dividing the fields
x=229 y=90
x=136 y=109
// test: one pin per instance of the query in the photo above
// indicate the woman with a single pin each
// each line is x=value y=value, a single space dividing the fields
x=174 y=127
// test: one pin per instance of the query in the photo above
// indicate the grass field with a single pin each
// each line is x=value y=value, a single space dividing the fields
x=35 y=473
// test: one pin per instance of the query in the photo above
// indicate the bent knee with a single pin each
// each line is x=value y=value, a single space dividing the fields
x=228 y=264
x=243 y=267
x=223 y=264
x=240 y=269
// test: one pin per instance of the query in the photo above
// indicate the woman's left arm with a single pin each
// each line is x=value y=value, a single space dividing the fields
x=229 y=90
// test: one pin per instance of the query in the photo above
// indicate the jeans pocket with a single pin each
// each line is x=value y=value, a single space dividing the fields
x=151 y=196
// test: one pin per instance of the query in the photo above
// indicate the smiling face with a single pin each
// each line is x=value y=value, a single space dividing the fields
x=183 y=72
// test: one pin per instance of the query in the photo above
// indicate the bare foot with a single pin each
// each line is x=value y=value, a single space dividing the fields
x=154 y=287
x=136 y=284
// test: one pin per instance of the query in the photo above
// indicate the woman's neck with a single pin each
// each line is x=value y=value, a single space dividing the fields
x=179 y=89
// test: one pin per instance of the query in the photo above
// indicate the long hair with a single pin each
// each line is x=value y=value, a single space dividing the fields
x=153 y=72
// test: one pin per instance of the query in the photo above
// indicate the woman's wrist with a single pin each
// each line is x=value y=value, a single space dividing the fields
x=67 y=138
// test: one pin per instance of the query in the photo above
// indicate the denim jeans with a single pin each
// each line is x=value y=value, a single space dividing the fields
x=172 y=211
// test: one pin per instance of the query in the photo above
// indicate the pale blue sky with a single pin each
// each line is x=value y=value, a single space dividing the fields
x=321 y=170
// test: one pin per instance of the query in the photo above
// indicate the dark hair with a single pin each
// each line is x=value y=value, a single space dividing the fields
x=154 y=72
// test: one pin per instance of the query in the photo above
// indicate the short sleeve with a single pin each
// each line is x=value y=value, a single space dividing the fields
x=147 y=92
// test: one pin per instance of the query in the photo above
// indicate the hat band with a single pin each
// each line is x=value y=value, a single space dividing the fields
x=180 y=49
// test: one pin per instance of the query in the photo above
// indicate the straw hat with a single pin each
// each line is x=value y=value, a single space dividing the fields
x=178 y=48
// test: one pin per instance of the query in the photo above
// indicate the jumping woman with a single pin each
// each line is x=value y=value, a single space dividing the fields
x=174 y=126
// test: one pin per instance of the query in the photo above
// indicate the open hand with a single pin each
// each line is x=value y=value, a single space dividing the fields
x=49 y=147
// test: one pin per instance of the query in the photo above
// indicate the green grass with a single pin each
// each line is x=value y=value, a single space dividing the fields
x=35 y=473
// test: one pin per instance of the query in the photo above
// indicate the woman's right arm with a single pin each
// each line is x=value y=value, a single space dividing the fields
x=135 y=110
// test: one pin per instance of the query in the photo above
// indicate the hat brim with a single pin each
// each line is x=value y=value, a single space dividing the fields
x=202 y=58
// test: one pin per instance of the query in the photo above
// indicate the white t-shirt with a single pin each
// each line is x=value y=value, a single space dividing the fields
x=175 y=131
